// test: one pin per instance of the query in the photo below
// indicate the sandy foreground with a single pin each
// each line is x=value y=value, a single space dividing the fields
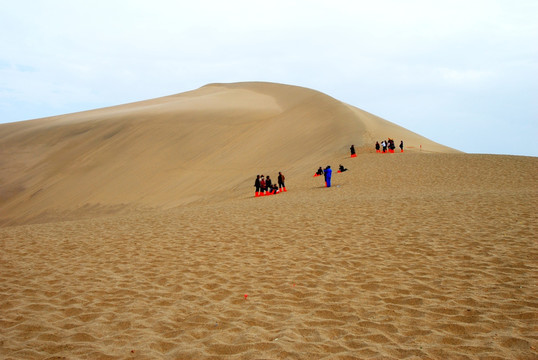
x=407 y=256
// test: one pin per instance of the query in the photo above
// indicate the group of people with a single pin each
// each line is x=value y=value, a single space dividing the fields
x=387 y=146
x=327 y=173
x=264 y=185
x=320 y=171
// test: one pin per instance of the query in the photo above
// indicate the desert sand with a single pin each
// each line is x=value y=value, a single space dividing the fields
x=132 y=232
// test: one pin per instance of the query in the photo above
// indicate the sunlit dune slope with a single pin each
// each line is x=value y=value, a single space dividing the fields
x=160 y=153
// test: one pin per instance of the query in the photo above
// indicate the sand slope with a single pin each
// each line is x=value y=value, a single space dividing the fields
x=408 y=256
x=175 y=150
x=420 y=255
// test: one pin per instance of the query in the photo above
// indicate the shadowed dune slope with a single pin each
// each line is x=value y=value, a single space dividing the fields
x=195 y=146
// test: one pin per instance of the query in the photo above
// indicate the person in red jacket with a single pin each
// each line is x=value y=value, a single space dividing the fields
x=262 y=186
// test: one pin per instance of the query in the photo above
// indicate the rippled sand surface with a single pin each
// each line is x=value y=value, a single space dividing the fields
x=407 y=256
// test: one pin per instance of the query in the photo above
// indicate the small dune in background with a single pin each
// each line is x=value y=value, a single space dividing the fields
x=133 y=232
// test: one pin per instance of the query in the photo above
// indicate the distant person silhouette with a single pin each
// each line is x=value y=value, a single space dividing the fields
x=268 y=184
x=281 y=179
x=257 y=185
x=352 y=149
x=320 y=171
x=341 y=168
x=401 y=146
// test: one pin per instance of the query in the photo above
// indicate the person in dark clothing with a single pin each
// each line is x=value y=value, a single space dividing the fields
x=319 y=172
x=341 y=168
x=281 y=179
x=352 y=149
x=268 y=184
x=377 y=146
x=257 y=185
x=401 y=146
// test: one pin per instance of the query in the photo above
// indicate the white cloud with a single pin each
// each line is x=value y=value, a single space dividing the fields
x=464 y=77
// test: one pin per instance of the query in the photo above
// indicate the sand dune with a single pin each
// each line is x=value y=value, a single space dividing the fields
x=148 y=236
x=175 y=150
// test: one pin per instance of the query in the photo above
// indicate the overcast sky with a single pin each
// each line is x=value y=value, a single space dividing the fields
x=462 y=73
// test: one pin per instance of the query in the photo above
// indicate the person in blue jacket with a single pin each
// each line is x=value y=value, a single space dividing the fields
x=328 y=173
